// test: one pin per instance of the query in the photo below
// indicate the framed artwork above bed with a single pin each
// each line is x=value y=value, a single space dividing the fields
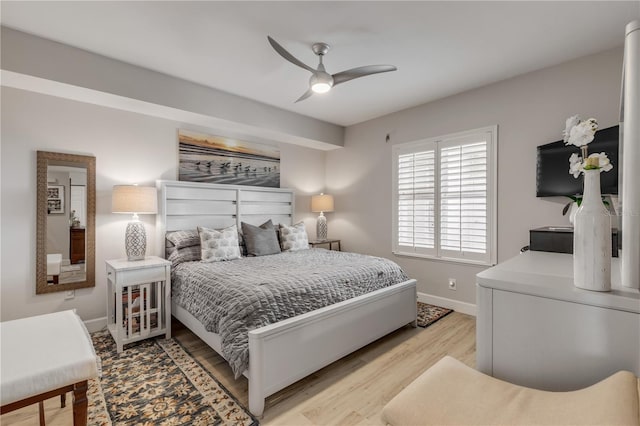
x=216 y=159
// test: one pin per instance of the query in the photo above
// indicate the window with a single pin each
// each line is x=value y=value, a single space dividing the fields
x=445 y=197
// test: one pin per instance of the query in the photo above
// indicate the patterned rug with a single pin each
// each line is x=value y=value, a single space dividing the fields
x=428 y=314
x=156 y=382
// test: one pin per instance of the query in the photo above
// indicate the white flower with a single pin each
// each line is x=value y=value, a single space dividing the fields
x=575 y=165
x=593 y=123
x=579 y=132
x=570 y=123
x=582 y=133
x=603 y=161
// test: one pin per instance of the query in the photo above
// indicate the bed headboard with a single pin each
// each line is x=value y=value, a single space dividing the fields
x=186 y=205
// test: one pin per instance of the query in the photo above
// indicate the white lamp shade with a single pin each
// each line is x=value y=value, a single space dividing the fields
x=134 y=199
x=322 y=203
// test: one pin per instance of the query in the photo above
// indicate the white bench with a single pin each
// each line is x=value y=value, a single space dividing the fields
x=54 y=261
x=46 y=356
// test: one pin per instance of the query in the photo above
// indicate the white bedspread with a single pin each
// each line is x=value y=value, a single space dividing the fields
x=44 y=353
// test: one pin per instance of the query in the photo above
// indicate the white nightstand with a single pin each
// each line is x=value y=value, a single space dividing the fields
x=147 y=285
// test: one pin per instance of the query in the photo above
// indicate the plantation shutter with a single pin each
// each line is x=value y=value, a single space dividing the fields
x=416 y=201
x=464 y=199
x=444 y=193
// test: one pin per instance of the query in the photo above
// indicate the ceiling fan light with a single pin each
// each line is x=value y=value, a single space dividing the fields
x=321 y=82
x=320 y=87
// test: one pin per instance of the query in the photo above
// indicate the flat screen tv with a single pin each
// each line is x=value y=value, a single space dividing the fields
x=552 y=171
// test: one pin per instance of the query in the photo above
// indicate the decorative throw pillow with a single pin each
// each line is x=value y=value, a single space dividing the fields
x=182 y=246
x=260 y=240
x=294 y=237
x=243 y=245
x=186 y=254
x=218 y=245
x=181 y=239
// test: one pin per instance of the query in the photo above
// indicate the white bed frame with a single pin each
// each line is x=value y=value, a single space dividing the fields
x=285 y=352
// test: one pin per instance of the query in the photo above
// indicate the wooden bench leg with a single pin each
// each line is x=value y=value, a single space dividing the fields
x=79 y=394
x=41 y=411
x=80 y=404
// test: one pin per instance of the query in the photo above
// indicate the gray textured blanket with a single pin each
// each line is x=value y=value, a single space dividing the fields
x=231 y=298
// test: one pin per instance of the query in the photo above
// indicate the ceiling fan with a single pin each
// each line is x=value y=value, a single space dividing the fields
x=321 y=81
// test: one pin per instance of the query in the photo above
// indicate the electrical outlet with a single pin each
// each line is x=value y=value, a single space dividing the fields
x=452 y=284
x=69 y=294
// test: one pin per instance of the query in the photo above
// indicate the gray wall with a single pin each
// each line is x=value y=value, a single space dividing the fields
x=129 y=148
x=33 y=63
x=529 y=110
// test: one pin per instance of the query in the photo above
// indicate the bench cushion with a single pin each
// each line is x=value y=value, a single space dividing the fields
x=44 y=353
x=451 y=393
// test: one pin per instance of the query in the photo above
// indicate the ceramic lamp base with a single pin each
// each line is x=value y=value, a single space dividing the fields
x=135 y=240
x=321 y=227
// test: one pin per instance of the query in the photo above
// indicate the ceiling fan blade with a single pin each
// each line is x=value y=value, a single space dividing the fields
x=347 y=75
x=308 y=93
x=288 y=56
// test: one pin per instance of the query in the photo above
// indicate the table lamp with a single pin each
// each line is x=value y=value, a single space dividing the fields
x=321 y=203
x=137 y=200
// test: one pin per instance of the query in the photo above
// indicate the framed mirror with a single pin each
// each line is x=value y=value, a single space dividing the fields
x=65 y=234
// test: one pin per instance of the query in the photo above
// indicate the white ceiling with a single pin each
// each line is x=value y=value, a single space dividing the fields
x=440 y=48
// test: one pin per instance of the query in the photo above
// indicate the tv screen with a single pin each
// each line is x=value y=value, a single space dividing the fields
x=552 y=171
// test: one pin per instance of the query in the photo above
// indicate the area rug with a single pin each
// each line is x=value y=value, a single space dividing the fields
x=156 y=382
x=428 y=314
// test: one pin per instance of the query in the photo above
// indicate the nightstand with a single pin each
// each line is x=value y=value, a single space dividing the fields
x=138 y=299
x=328 y=241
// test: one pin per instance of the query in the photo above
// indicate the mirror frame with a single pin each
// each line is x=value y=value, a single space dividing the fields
x=45 y=159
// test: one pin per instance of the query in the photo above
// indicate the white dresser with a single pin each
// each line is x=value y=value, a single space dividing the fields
x=534 y=328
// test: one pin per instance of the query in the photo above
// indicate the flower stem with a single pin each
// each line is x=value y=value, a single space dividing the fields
x=585 y=154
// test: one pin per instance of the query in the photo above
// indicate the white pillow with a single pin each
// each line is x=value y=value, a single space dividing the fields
x=294 y=237
x=218 y=245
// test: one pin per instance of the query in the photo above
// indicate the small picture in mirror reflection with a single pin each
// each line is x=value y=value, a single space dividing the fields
x=55 y=199
x=53 y=192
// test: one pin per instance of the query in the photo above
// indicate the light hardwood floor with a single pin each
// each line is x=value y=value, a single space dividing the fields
x=351 y=391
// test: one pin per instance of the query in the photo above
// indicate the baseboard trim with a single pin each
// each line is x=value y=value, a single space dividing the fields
x=95 y=324
x=456 y=305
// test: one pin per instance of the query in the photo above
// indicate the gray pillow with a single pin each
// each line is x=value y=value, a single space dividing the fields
x=186 y=254
x=182 y=246
x=182 y=239
x=243 y=245
x=260 y=240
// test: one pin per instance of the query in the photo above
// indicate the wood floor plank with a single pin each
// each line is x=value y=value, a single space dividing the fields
x=351 y=391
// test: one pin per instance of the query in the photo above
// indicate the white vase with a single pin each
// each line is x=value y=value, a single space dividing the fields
x=592 y=238
x=572 y=212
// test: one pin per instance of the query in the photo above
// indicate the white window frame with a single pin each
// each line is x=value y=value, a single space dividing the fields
x=437 y=143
